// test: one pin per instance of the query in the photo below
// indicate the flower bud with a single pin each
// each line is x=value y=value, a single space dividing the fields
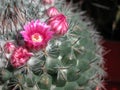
x=58 y=24
x=9 y=47
x=52 y=11
x=19 y=57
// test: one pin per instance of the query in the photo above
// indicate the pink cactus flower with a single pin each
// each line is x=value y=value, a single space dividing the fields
x=52 y=11
x=19 y=57
x=58 y=24
x=36 y=35
x=48 y=1
x=9 y=47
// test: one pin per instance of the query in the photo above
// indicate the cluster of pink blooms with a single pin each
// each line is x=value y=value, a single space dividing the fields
x=36 y=35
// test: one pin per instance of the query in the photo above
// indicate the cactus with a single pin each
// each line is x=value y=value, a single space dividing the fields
x=45 y=45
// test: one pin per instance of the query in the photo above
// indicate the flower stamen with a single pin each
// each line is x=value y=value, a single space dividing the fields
x=37 y=37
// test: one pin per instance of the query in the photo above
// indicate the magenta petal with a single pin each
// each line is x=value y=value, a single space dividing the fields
x=33 y=28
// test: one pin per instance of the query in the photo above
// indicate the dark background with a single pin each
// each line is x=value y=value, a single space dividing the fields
x=103 y=14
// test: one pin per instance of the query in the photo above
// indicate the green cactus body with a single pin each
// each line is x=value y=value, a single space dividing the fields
x=69 y=61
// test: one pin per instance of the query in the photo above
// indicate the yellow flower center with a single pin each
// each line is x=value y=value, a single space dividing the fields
x=36 y=37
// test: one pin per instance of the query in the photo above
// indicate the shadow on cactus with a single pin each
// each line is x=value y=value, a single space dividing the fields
x=45 y=46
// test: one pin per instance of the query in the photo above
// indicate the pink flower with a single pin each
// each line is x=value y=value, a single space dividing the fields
x=9 y=47
x=48 y=1
x=58 y=24
x=19 y=57
x=36 y=35
x=52 y=11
